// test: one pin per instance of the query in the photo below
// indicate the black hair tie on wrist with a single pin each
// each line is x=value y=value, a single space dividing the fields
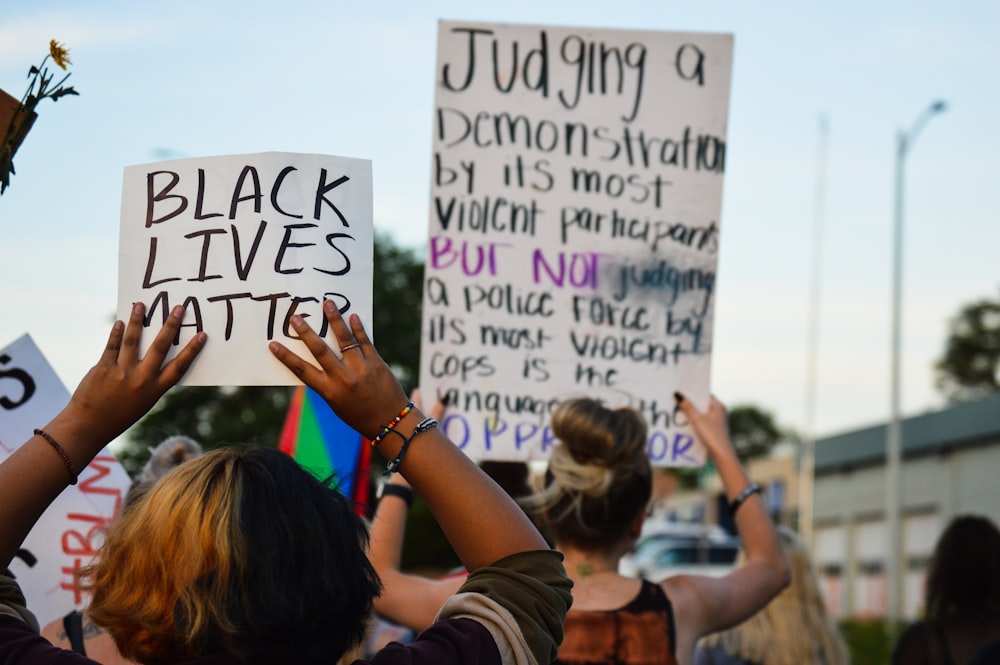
x=751 y=489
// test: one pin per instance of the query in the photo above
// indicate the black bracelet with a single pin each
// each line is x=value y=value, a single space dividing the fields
x=751 y=489
x=73 y=475
x=422 y=426
x=404 y=493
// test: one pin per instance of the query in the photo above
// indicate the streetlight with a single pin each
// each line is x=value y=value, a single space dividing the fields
x=893 y=447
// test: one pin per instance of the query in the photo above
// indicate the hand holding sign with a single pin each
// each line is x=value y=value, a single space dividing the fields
x=122 y=387
x=358 y=385
x=574 y=229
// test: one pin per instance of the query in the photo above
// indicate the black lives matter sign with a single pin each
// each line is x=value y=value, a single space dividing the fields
x=246 y=242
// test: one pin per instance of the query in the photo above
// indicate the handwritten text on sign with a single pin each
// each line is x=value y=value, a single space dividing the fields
x=574 y=229
x=245 y=242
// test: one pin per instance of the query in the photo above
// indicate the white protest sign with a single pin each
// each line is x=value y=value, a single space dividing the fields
x=245 y=242
x=574 y=229
x=70 y=531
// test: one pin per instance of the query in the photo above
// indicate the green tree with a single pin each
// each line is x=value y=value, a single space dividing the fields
x=254 y=415
x=969 y=368
x=397 y=295
x=753 y=431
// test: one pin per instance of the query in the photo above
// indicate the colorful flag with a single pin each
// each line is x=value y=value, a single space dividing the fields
x=325 y=446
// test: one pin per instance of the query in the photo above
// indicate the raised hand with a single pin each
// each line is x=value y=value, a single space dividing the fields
x=357 y=385
x=121 y=387
x=115 y=393
x=712 y=426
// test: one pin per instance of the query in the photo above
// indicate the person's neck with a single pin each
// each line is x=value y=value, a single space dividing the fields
x=585 y=564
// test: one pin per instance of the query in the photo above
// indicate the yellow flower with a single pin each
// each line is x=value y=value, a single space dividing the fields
x=59 y=53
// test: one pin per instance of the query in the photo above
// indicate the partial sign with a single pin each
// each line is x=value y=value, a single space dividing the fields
x=574 y=229
x=245 y=242
x=69 y=533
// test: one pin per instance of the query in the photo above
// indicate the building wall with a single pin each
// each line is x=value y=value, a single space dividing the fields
x=849 y=524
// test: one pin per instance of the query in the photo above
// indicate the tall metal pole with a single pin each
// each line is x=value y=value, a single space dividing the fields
x=807 y=462
x=894 y=443
x=894 y=440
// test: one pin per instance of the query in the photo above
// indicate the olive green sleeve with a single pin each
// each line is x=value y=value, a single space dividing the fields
x=522 y=600
x=12 y=602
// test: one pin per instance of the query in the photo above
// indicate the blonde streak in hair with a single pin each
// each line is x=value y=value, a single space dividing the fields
x=137 y=576
x=570 y=480
x=220 y=550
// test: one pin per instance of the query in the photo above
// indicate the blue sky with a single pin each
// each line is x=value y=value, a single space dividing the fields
x=356 y=79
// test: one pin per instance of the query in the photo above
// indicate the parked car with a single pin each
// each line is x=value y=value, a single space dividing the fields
x=671 y=548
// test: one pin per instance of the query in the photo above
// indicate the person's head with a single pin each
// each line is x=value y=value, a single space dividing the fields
x=511 y=476
x=599 y=479
x=237 y=551
x=168 y=454
x=795 y=626
x=965 y=568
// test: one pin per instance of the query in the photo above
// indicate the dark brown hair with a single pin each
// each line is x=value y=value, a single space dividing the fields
x=965 y=569
x=237 y=551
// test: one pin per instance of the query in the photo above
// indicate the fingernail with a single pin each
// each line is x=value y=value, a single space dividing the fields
x=679 y=398
x=274 y=346
x=177 y=312
x=118 y=327
x=329 y=305
x=297 y=321
x=201 y=337
x=137 y=308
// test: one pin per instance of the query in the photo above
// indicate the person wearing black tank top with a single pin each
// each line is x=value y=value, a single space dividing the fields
x=598 y=487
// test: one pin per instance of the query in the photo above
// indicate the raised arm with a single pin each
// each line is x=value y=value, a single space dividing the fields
x=517 y=589
x=704 y=604
x=482 y=523
x=114 y=394
x=408 y=600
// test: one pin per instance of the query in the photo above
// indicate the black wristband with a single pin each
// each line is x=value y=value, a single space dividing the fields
x=404 y=493
x=751 y=489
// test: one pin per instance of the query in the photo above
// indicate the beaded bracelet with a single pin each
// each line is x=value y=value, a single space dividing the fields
x=62 y=453
x=422 y=426
x=385 y=429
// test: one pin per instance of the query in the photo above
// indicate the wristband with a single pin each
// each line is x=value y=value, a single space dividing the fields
x=404 y=493
x=422 y=426
x=751 y=489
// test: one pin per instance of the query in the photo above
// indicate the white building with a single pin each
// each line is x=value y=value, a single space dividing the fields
x=950 y=466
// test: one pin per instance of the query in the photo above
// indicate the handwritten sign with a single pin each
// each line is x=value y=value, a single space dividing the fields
x=574 y=229
x=72 y=529
x=245 y=242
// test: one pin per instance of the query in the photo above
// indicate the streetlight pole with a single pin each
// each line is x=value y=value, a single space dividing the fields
x=893 y=446
x=807 y=460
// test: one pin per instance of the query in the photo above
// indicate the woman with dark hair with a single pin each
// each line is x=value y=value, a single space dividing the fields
x=961 y=597
x=599 y=484
x=240 y=556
